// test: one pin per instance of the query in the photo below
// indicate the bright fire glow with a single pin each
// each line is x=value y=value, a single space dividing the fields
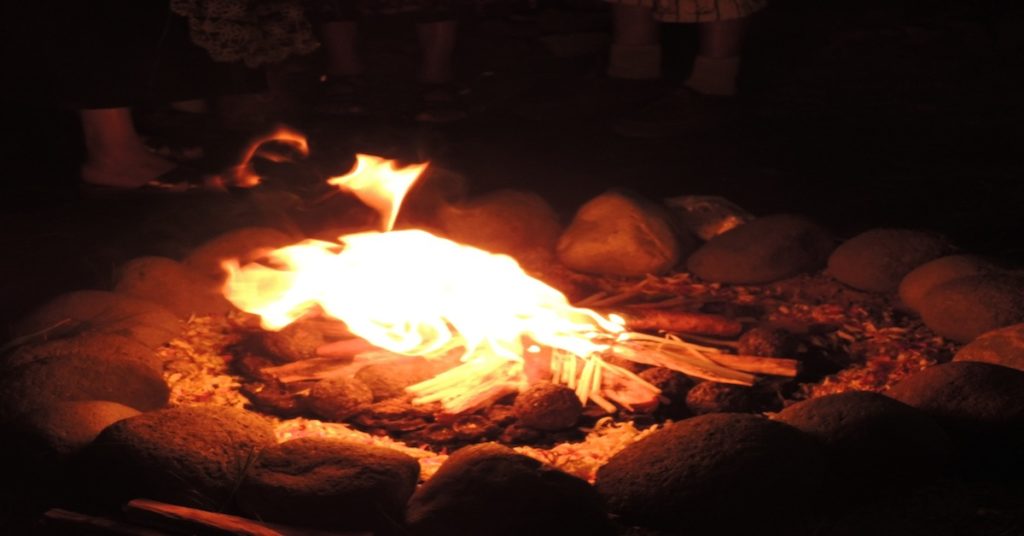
x=379 y=184
x=417 y=294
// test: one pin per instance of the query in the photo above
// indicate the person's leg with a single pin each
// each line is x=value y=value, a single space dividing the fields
x=636 y=50
x=718 y=57
x=115 y=154
x=440 y=101
x=437 y=50
x=339 y=41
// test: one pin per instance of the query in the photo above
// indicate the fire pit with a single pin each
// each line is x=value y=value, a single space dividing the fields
x=395 y=380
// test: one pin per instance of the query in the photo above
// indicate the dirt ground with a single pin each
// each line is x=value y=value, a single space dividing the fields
x=858 y=114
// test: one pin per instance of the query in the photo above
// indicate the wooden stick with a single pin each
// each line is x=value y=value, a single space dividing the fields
x=682 y=322
x=185 y=520
x=774 y=366
x=316 y=368
x=67 y=522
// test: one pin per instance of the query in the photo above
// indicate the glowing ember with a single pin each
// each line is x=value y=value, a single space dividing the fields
x=416 y=294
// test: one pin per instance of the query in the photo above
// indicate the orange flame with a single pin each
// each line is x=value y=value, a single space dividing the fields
x=417 y=294
x=379 y=185
x=242 y=175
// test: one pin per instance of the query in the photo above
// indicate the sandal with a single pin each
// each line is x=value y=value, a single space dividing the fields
x=342 y=95
x=440 y=104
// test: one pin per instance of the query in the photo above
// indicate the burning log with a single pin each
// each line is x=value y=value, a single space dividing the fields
x=683 y=322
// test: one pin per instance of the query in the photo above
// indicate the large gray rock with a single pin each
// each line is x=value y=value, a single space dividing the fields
x=714 y=474
x=877 y=260
x=512 y=222
x=51 y=434
x=490 y=489
x=871 y=441
x=978 y=404
x=620 y=234
x=244 y=243
x=1003 y=346
x=329 y=483
x=88 y=343
x=170 y=283
x=193 y=456
x=764 y=250
x=964 y=308
x=80 y=378
x=921 y=280
x=102 y=312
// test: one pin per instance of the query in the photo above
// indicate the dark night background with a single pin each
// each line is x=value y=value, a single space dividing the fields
x=857 y=113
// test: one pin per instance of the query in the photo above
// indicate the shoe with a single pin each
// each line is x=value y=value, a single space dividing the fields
x=342 y=96
x=680 y=112
x=441 y=104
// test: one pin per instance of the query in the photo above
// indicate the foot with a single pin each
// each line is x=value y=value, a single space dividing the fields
x=440 y=103
x=131 y=168
x=682 y=111
x=343 y=96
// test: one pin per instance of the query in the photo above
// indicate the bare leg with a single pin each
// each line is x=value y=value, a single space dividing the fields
x=115 y=154
x=718 y=57
x=636 y=50
x=339 y=40
x=437 y=48
x=634 y=26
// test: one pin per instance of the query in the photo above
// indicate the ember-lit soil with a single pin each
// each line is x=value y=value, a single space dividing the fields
x=846 y=341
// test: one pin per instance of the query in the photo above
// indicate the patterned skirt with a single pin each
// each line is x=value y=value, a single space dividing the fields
x=697 y=10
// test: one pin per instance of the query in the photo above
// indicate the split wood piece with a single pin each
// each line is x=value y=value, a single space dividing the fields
x=471 y=385
x=682 y=322
x=185 y=520
x=322 y=368
x=773 y=366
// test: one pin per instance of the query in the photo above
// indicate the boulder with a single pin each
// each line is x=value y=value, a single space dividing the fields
x=871 y=441
x=297 y=341
x=101 y=312
x=170 y=283
x=765 y=250
x=1004 y=346
x=337 y=399
x=714 y=474
x=966 y=307
x=978 y=404
x=246 y=244
x=507 y=221
x=389 y=380
x=620 y=234
x=707 y=216
x=80 y=378
x=490 y=489
x=190 y=455
x=713 y=397
x=546 y=406
x=329 y=483
x=916 y=284
x=877 y=260
x=768 y=341
x=51 y=434
x=88 y=343
x=674 y=387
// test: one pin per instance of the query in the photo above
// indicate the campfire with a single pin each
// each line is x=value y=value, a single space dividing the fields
x=397 y=377
x=411 y=293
